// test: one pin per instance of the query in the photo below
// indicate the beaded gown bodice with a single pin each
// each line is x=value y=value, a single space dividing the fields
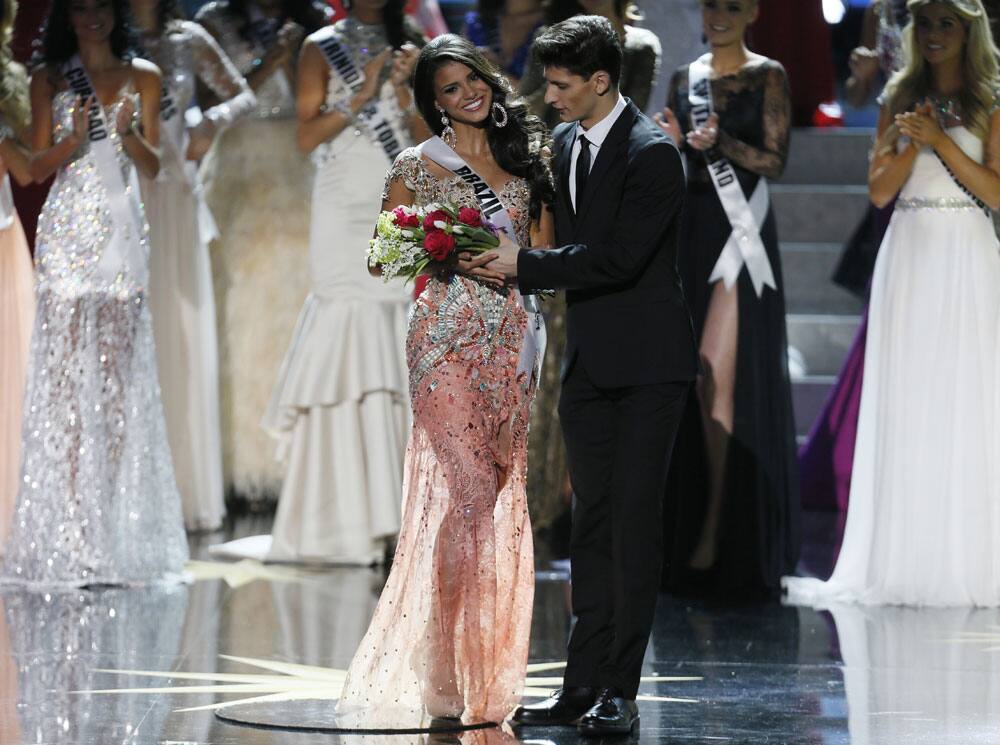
x=469 y=313
x=75 y=221
x=363 y=41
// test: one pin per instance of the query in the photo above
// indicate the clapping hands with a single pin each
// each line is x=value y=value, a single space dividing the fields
x=702 y=138
x=920 y=126
x=669 y=124
x=403 y=62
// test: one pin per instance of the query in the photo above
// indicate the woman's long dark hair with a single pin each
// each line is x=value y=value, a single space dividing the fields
x=58 y=41
x=309 y=14
x=511 y=145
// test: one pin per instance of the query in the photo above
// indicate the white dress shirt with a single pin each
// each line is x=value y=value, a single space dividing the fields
x=595 y=136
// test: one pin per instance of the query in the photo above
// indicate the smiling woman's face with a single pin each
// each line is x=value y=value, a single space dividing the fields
x=725 y=22
x=940 y=33
x=464 y=96
x=92 y=20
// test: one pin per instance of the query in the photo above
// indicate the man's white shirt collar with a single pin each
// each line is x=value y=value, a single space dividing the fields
x=599 y=132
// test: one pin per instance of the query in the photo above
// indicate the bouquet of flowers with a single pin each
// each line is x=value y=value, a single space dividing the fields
x=407 y=239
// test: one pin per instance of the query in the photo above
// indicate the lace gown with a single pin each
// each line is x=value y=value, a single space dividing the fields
x=450 y=634
x=758 y=538
x=98 y=503
x=181 y=299
x=17 y=315
x=924 y=514
x=258 y=186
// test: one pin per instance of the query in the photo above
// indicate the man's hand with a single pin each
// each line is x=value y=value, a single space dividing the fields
x=476 y=267
x=506 y=261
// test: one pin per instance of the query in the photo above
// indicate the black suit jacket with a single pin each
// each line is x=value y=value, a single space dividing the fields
x=627 y=321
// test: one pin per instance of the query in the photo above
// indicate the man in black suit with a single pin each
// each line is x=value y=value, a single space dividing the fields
x=630 y=359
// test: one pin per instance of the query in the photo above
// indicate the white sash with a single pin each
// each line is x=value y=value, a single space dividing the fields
x=124 y=251
x=6 y=203
x=372 y=114
x=533 y=344
x=175 y=140
x=746 y=218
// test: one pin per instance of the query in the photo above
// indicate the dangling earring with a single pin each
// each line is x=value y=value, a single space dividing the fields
x=448 y=133
x=499 y=114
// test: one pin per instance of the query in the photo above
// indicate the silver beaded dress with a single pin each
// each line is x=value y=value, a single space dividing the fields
x=97 y=502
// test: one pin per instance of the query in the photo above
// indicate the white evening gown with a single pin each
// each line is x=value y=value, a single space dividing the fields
x=17 y=316
x=257 y=185
x=340 y=408
x=923 y=525
x=920 y=675
x=181 y=298
x=98 y=503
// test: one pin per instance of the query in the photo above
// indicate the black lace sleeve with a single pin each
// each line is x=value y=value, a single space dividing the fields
x=768 y=159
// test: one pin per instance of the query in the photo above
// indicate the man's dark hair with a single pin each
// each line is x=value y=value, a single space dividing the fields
x=583 y=45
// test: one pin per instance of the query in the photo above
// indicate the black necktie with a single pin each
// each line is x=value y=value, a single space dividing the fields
x=582 y=170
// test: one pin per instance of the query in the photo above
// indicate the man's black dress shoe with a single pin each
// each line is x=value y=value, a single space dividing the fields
x=610 y=715
x=564 y=706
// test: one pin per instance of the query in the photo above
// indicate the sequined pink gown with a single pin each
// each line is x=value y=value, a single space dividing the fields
x=450 y=634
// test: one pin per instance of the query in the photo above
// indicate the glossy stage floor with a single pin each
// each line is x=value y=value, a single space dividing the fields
x=153 y=665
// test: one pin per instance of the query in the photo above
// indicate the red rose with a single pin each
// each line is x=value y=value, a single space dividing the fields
x=435 y=216
x=406 y=219
x=439 y=244
x=468 y=216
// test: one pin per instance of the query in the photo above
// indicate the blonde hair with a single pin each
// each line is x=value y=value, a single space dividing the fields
x=980 y=74
x=15 y=108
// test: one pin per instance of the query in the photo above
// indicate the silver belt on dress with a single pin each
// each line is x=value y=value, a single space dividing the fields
x=942 y=203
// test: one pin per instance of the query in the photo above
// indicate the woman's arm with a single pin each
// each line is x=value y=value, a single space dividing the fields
x=279 y=56
x=668 y=119
x=230 y=89
x=397 y=193
x=864 y=62
x=982 y=180
x=890 y=168
x=769 y=160
x=142 y=143
x=17 y=159
x=47 y=157
x=403 y=63
x=317 y=126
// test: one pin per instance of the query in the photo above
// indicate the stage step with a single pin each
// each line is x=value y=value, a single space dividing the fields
x=808 y=270
x=820 y=213
x=828 y=156
x=820 y=342
x=809 y=394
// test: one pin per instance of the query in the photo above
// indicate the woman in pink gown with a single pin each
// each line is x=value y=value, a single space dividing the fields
x=449 y=639
x=17 y=297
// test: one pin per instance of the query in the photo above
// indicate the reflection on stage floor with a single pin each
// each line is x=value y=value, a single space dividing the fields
x=149 y=666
